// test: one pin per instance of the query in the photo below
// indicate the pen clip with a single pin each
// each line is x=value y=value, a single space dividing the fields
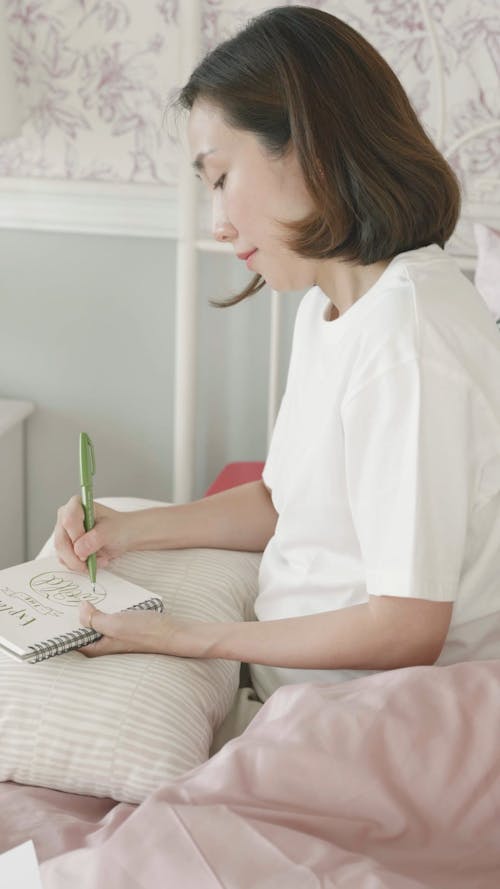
x=91 y=456
x=87 y=459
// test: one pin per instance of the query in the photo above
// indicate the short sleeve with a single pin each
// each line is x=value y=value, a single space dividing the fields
x=409 y=476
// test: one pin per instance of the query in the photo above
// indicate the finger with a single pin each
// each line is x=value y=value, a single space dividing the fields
x=81 y=570
x=87 y=544
x=105 y=624
x=65 y=551
x=87 y=614
x=103 y=646
x=102 y=623
x=71 y=517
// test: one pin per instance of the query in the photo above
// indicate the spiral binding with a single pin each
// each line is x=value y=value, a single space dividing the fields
x=83 y=636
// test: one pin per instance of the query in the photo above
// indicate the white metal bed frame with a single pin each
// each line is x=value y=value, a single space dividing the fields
x=188 y=245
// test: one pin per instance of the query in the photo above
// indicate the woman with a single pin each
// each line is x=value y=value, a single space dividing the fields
x=379 y=508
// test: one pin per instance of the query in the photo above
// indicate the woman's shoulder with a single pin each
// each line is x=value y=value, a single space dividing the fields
x=424 y=295
x=429 y=313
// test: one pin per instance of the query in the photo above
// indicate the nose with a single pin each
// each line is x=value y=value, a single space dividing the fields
x=222 y=228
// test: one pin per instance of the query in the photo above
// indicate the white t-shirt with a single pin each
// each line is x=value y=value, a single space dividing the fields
x=384 y=465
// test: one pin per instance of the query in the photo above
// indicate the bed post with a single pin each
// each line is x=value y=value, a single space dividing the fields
x=186 y=333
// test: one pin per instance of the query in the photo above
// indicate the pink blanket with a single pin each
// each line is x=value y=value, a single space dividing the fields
x=389 y=781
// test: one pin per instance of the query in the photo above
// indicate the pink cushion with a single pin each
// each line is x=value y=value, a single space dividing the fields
x=487 y=277
x=235 y=474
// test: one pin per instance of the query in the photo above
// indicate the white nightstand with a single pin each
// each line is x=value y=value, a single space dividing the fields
x=12 y=481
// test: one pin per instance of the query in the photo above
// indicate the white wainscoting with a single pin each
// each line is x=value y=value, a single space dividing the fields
x=103 y=208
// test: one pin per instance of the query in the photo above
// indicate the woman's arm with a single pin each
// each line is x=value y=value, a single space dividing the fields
x=385 y=633
x=241 y=518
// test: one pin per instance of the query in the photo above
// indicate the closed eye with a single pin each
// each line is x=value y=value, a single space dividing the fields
x=220 y=182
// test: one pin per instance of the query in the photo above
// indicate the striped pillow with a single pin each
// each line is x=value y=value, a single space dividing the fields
x=119 y=726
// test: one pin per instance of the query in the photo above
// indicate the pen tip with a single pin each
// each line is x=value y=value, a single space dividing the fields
x=93 y=587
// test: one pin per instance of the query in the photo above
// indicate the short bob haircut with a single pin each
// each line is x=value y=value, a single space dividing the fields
x=298 y=76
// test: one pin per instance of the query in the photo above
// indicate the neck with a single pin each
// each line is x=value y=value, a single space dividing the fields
x=344 y=283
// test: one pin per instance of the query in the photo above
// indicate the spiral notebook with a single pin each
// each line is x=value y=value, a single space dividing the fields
x=40 y=603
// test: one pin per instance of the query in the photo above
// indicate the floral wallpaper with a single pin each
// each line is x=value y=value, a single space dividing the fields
x=93 y=78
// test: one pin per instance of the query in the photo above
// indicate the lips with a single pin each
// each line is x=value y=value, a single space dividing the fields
x=245 y=256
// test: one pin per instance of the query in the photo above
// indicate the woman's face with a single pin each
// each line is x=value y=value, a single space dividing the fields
x=251 y=191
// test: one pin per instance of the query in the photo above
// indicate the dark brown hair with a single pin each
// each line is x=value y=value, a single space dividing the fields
x=299 y=76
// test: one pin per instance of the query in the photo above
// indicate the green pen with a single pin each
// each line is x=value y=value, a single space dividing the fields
x=87 y=470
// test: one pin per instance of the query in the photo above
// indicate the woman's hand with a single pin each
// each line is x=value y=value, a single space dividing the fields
x=142 y=631
x=110 y=537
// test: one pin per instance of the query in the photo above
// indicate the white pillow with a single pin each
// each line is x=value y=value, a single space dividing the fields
x=487 y=275
x=119 y=726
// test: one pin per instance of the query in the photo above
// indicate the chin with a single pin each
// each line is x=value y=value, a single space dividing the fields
x=285 y=283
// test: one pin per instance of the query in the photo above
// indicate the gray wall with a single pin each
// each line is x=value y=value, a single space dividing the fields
x=87 y=333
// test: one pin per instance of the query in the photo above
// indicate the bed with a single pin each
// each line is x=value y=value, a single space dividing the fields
x=391 y=780
x=388 y=781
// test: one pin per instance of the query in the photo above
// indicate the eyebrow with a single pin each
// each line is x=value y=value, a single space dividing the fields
x=198 y=161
